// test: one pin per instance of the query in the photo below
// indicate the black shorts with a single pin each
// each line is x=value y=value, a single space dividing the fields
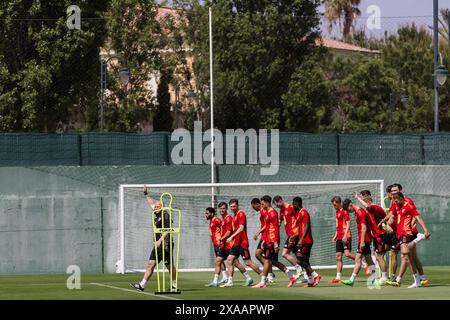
x=414 y=235
x=269 y=251
x=259 y=245
x=235 y=251
x=341 y=247
x=378 y=244
x=366 y=249
x=223 y=253
x=292 y=244
x=216 y=250
x=304 y=250
x=405 y=239
x=160 y=253
x=245 y=253
x=390 y=239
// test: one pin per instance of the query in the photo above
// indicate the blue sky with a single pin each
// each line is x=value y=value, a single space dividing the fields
x=404 y=7
x=395 y=13
x=398 y=12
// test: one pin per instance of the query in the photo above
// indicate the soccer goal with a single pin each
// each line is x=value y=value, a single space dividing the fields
x=135 y=234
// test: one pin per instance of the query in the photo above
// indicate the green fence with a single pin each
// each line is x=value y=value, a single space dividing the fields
x=123 y=149
x=39 y=149
x=384 y=149
x=155 y=149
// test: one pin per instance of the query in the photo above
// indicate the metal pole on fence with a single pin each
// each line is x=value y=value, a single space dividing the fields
x=103 y=84
x=177 y=102
x=436 y=53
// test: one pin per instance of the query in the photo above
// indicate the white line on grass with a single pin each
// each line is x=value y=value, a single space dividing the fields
x=134 y=291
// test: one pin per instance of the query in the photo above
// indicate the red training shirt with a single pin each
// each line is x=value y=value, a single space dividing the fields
x=215 y=229
x=287 y=214
x=227 y=225
x=376 y=214
x=272 y=229
x=240 y=219
x=342 y=217
x=362 y=217
x=303 y=217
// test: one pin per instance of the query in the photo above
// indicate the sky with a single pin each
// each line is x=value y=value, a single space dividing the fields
x=394 y=13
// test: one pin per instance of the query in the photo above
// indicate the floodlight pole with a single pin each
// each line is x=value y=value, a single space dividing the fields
x=211 y=110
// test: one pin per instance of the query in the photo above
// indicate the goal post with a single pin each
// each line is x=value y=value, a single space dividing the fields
x=135 y=228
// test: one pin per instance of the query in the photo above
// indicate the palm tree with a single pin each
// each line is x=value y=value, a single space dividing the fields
x=443 y=31
x=335 y=10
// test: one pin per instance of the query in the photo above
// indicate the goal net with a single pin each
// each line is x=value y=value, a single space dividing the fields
x=135 y=234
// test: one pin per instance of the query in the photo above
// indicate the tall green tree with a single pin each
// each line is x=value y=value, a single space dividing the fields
x=47 y=72
x=162 y=120
x=258 y=45
x=306 y=101
x=409 y=53
x=136 y=37
x=361 y=90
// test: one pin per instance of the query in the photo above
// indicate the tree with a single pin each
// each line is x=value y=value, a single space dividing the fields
x=47 y=72
x=336 y=10
x=308 y=96
x=369 y=93
x=136 y=35
x=410 y=54
x=361 y=90
x=258 y=45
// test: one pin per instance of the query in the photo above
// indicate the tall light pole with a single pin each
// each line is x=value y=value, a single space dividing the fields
x=124 y=75
x=436 y=56
x=211 y=109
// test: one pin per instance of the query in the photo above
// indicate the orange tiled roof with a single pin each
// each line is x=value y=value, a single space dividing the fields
x=162 y=11
x=326 y=42
x=339 y=45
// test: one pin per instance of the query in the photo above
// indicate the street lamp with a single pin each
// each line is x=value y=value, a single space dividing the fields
x=441 y=74
x=124 y=75
x=190 y=93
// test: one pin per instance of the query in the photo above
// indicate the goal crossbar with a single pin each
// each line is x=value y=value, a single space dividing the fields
x=250 y=184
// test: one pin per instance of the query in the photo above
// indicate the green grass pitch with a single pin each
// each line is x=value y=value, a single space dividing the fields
x=192 y=285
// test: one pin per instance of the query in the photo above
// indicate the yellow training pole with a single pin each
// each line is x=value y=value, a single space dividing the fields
x=156 y=249
x=389 y=253
x=169 y=232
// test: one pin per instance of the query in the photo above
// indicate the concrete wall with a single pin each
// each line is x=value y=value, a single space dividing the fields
x=52 y=217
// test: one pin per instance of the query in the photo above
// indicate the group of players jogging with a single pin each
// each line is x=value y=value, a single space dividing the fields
x=394 y=230
x=230 y=239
